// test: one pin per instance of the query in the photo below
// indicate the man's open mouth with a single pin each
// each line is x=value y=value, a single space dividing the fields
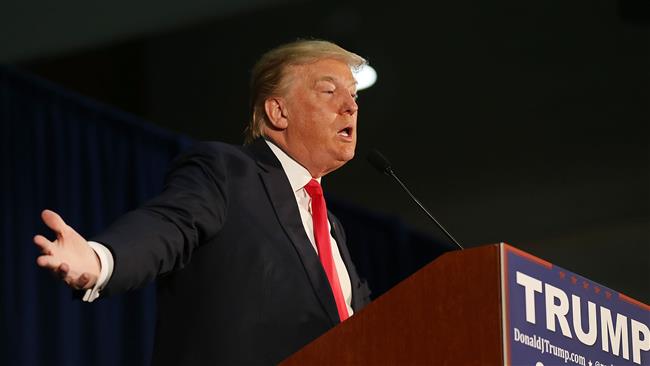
x=346 y=132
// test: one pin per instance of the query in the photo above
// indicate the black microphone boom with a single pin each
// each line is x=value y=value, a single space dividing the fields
x=377 y=160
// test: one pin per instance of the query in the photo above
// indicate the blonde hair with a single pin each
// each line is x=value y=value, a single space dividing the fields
x=268 y=76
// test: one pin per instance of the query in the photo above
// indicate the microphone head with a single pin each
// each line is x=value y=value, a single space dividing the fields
x=377 y=160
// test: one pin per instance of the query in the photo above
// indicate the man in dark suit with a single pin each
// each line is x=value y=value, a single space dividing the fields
x=250 y=265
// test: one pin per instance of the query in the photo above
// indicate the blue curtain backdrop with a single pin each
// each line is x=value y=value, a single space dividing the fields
x=91 y=163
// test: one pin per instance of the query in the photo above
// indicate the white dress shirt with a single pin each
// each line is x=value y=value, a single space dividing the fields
x=298 y=178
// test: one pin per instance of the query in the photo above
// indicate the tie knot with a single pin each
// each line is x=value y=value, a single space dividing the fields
x=313 y=188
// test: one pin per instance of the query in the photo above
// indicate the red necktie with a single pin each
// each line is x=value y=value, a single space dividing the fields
x=322 y=237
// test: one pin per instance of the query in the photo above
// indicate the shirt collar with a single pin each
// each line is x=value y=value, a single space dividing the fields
x=297 y=174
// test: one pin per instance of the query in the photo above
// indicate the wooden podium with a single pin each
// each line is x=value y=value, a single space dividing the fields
x=457 y=289
x=453 y=312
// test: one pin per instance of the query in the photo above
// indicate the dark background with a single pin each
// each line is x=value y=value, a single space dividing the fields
x=517 y=121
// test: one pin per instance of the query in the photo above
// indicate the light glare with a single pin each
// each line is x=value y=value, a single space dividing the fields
x=366 y=76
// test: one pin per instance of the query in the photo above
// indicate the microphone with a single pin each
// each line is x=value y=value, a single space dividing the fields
x=377 y=160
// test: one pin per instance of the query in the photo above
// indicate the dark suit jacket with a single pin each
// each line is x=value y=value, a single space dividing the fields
x=238 y=280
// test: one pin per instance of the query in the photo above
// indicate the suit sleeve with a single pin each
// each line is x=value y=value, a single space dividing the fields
x=161 y=236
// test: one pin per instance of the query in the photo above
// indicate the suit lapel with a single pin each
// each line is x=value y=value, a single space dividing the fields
x=284 y=203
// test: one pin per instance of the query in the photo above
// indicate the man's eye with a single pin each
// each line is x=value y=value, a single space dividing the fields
x=329 y=91
x=355 y=96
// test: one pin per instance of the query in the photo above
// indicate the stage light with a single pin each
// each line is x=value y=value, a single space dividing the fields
x=366 y=77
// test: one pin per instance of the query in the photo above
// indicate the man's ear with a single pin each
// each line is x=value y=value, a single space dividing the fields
x=275 y=111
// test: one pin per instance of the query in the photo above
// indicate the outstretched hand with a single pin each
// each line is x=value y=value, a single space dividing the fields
x=69 y=256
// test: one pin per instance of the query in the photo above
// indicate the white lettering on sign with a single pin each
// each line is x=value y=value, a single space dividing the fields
x=615 y=336
x=588 y=338
x=531 y=285
x=639 y=344
x=557 y=307
x=556 y=310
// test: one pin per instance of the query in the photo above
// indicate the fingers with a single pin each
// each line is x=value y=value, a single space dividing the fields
x=55 y=254
x=62 y=270
x=53 y=221
x=43 y=244
x=48 y=261
x=84 y=281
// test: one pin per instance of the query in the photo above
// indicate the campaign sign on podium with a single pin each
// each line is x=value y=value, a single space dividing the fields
x=555 y=317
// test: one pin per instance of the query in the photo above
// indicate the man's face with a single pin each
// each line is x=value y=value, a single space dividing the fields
x=321 y=113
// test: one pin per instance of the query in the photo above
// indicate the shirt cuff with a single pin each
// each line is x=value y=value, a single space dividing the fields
x=106 y=263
